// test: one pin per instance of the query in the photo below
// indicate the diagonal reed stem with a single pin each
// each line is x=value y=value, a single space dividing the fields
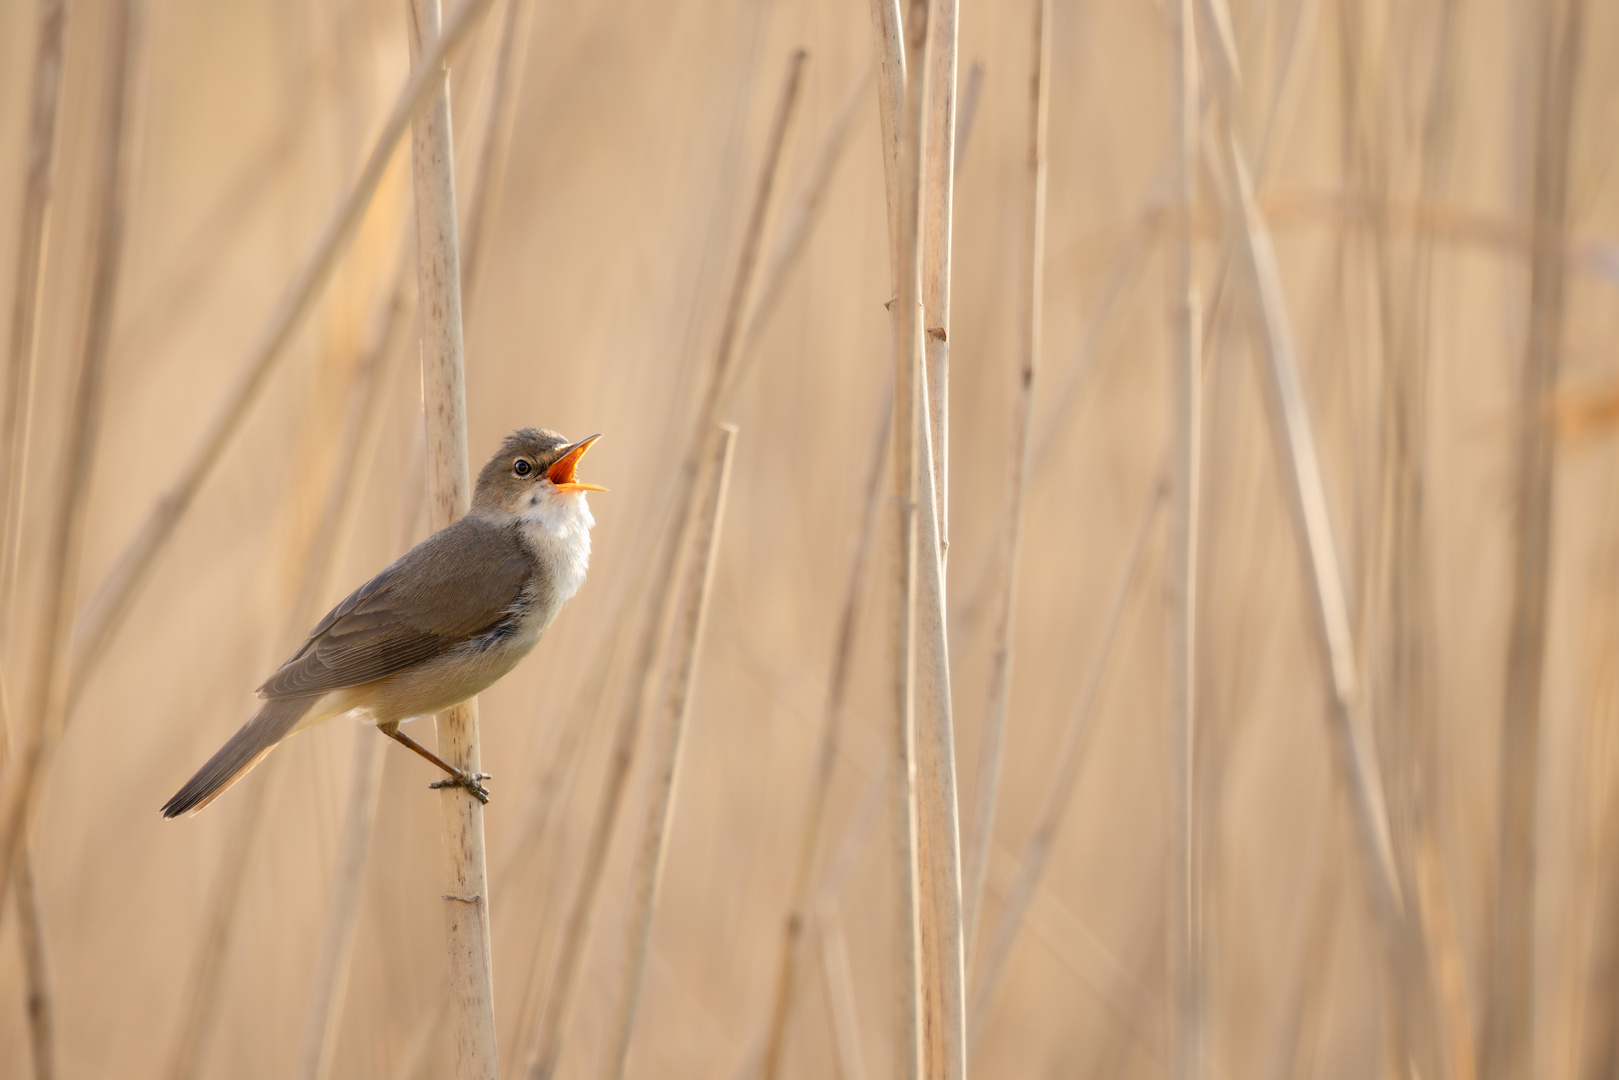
x=691 y=614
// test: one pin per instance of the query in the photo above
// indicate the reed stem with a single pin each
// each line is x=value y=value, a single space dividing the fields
x=449 y=493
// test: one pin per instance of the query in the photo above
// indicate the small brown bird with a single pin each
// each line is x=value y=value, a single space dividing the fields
x=442 y=624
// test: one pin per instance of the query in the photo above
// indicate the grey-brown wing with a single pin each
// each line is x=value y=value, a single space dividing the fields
x=460 y=582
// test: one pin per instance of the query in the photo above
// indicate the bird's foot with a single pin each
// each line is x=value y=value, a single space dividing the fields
x=467 y=780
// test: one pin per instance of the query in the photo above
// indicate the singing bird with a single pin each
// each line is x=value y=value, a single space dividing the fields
x=439 y=626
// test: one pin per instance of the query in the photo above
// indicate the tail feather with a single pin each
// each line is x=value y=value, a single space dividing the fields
x=243 y=750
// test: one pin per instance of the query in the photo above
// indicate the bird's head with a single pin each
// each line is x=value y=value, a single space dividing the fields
x=532 y=465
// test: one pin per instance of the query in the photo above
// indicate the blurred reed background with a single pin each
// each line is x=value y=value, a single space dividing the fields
x=1435 y=181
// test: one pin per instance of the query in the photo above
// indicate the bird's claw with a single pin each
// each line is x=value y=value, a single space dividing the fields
x=467 y=780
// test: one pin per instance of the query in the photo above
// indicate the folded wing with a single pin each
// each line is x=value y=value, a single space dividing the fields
x=458 y=583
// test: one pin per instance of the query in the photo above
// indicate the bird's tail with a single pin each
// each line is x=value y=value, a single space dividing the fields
x=245 y=749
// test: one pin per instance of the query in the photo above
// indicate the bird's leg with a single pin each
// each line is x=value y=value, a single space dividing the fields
x=456 y=777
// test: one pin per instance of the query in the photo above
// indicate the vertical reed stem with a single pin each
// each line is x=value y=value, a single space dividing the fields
x=449 y=492
x=938 y=190
x=691 y=615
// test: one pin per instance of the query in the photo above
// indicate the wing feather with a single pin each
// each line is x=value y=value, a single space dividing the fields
x=458 y=583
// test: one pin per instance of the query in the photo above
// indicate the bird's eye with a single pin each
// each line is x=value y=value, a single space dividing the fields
x=522 y=468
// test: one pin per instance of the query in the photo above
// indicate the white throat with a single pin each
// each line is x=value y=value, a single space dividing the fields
x=557 y=526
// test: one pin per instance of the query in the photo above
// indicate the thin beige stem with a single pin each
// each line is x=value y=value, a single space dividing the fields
x=826 y=762
x=36 y=968
x=902 y=162
x=888 y=49
x=545 y=1045
x=1294 y=438
x=938 y=191
x=449 y=493
x=47 y=692
x=838 y=980
x=992 y=736
x=1508 y=1039
x=690 y=618
x=105 y=612
x=991 y=962
x=33 y=230
x=1183 y=947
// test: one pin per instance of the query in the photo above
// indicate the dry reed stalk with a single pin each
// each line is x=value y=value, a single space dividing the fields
x=1294 y=438
x=105 y=612
x=938 y=191
x=449 y=493
x=1508 y=1051
x=1004 y=576
x=36 y=967
x=47 y=691
x=893 y=54
x=825 y=761
x=691 y=615
x=838 y=981
x=33 y=229
x=888 y=52
x=939 y=862
x=545 y=1044
x=1182 y=938
x=990 y=964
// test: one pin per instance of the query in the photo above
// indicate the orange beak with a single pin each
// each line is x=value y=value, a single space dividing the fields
x=561 y=471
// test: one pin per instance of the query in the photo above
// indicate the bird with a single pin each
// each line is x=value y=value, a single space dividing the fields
x=441 y=625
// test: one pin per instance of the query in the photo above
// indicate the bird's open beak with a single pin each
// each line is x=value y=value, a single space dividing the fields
x=561 y=471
